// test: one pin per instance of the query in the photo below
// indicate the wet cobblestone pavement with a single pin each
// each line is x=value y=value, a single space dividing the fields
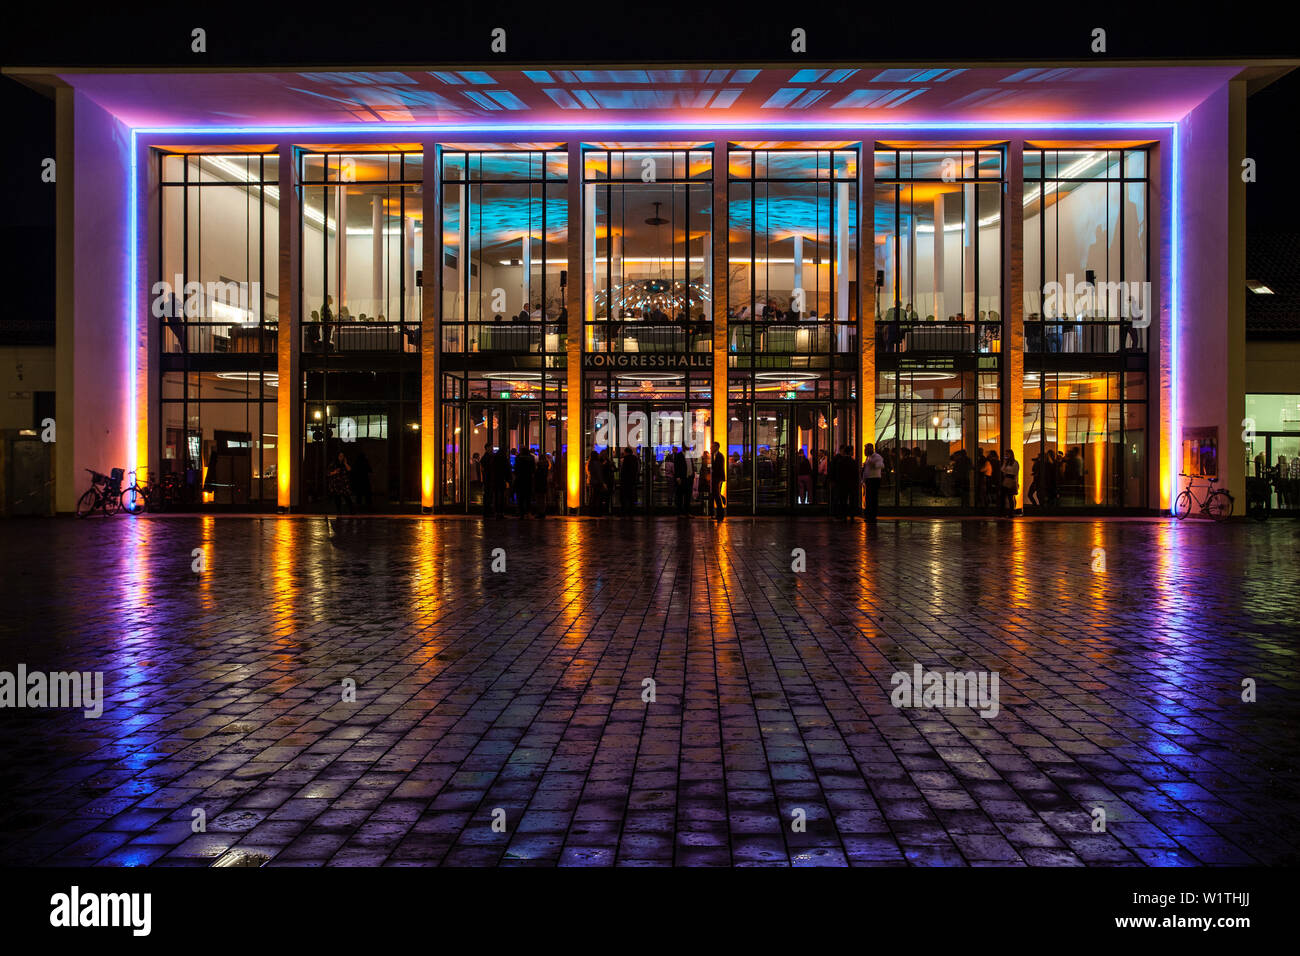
x=522 y=692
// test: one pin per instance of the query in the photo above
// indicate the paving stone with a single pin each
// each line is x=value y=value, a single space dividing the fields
x=522 y=691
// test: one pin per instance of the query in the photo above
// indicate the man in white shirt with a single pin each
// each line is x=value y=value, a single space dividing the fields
x=873 y=469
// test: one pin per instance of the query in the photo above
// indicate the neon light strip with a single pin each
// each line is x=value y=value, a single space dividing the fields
x=1175 y=449
x=382 y=129
x=132 y=429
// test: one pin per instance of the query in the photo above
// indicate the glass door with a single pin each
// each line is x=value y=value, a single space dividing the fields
x=772 y=454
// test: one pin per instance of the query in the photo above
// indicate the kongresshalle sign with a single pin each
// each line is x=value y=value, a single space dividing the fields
x=648 y=361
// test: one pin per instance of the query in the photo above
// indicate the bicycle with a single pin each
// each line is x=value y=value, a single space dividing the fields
x=104 y=494
x=1217 y=503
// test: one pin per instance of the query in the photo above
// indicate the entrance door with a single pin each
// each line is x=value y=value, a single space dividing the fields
x=652 y=430
x=793 y=447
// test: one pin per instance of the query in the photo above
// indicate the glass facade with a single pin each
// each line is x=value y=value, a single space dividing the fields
x=362 y=248
x=215 y=307
x=938 y=325
x=1088 y=307
x=636 y=249
x=505 y=275
x=793 y=302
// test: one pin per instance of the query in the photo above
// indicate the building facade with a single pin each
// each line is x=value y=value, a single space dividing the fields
x=411 y=269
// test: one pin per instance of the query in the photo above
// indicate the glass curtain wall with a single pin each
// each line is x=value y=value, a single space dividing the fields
x=362 y=251
x=1088 y=308
x=792 y=307
x=938 y=263
x=215 y=306
x=647 y=245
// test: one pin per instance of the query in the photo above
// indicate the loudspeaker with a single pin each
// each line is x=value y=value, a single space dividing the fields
x=880 y=278
x=1090 y=277
x=419 y=278
x=564 y=278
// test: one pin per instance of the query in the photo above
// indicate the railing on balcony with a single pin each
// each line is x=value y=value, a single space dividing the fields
x=926 y=337
x=1084 y=337
x=792 y=337
x=640 y=336
x=504 y=337
x=348 y=336
x=216 y=338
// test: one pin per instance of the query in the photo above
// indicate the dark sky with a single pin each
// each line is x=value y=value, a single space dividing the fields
x=559 y=32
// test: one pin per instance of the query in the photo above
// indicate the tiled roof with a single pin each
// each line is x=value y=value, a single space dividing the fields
x=1273 y=259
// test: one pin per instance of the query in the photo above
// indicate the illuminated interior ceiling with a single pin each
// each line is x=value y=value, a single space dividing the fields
x=627 y=97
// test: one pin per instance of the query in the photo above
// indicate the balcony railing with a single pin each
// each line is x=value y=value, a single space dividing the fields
x=638 y=336
x=216 y=338
x=347 y=336
x=1086 y=337
x=928 y=337
x=792 y=337
x=504 y=337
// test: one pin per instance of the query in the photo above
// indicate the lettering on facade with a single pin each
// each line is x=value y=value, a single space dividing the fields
x=647 y=361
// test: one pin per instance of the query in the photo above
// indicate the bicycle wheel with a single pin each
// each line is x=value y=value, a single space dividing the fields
x=87 y=503
x=134 y=500
x=1183 y=505
x=1220 y=505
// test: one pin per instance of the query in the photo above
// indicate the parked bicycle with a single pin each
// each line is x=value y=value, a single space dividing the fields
x=1216 y=504
x=104 y=494
x=135 y=497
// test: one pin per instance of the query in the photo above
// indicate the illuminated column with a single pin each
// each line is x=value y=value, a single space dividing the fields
x=796 y=280
x=576 y=302
x=721 y=235
x=843 y=274
x=341 y=244
x=149 y=370
x=867 y=289
x=377 y=296
x=969 y=267
x=940 y=309
x=1013 y=315
x=408 y=257
x=525 y=259
x=431 y=430
x=288 y=406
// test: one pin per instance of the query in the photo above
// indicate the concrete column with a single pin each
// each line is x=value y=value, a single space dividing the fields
x=288 y=410
x=796 y=281
x=576 y=301
x=940 y=307
x=1208 y=325
x=66 y=490
x=148 y=258
x=431 y=305
x=970 y=267
x=341 y=244
x=720 y=234
x=842 y=270
x=1013 y=313
x=526 y=260
x=867 y=293
x=1234 y=447
x=378 y=304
